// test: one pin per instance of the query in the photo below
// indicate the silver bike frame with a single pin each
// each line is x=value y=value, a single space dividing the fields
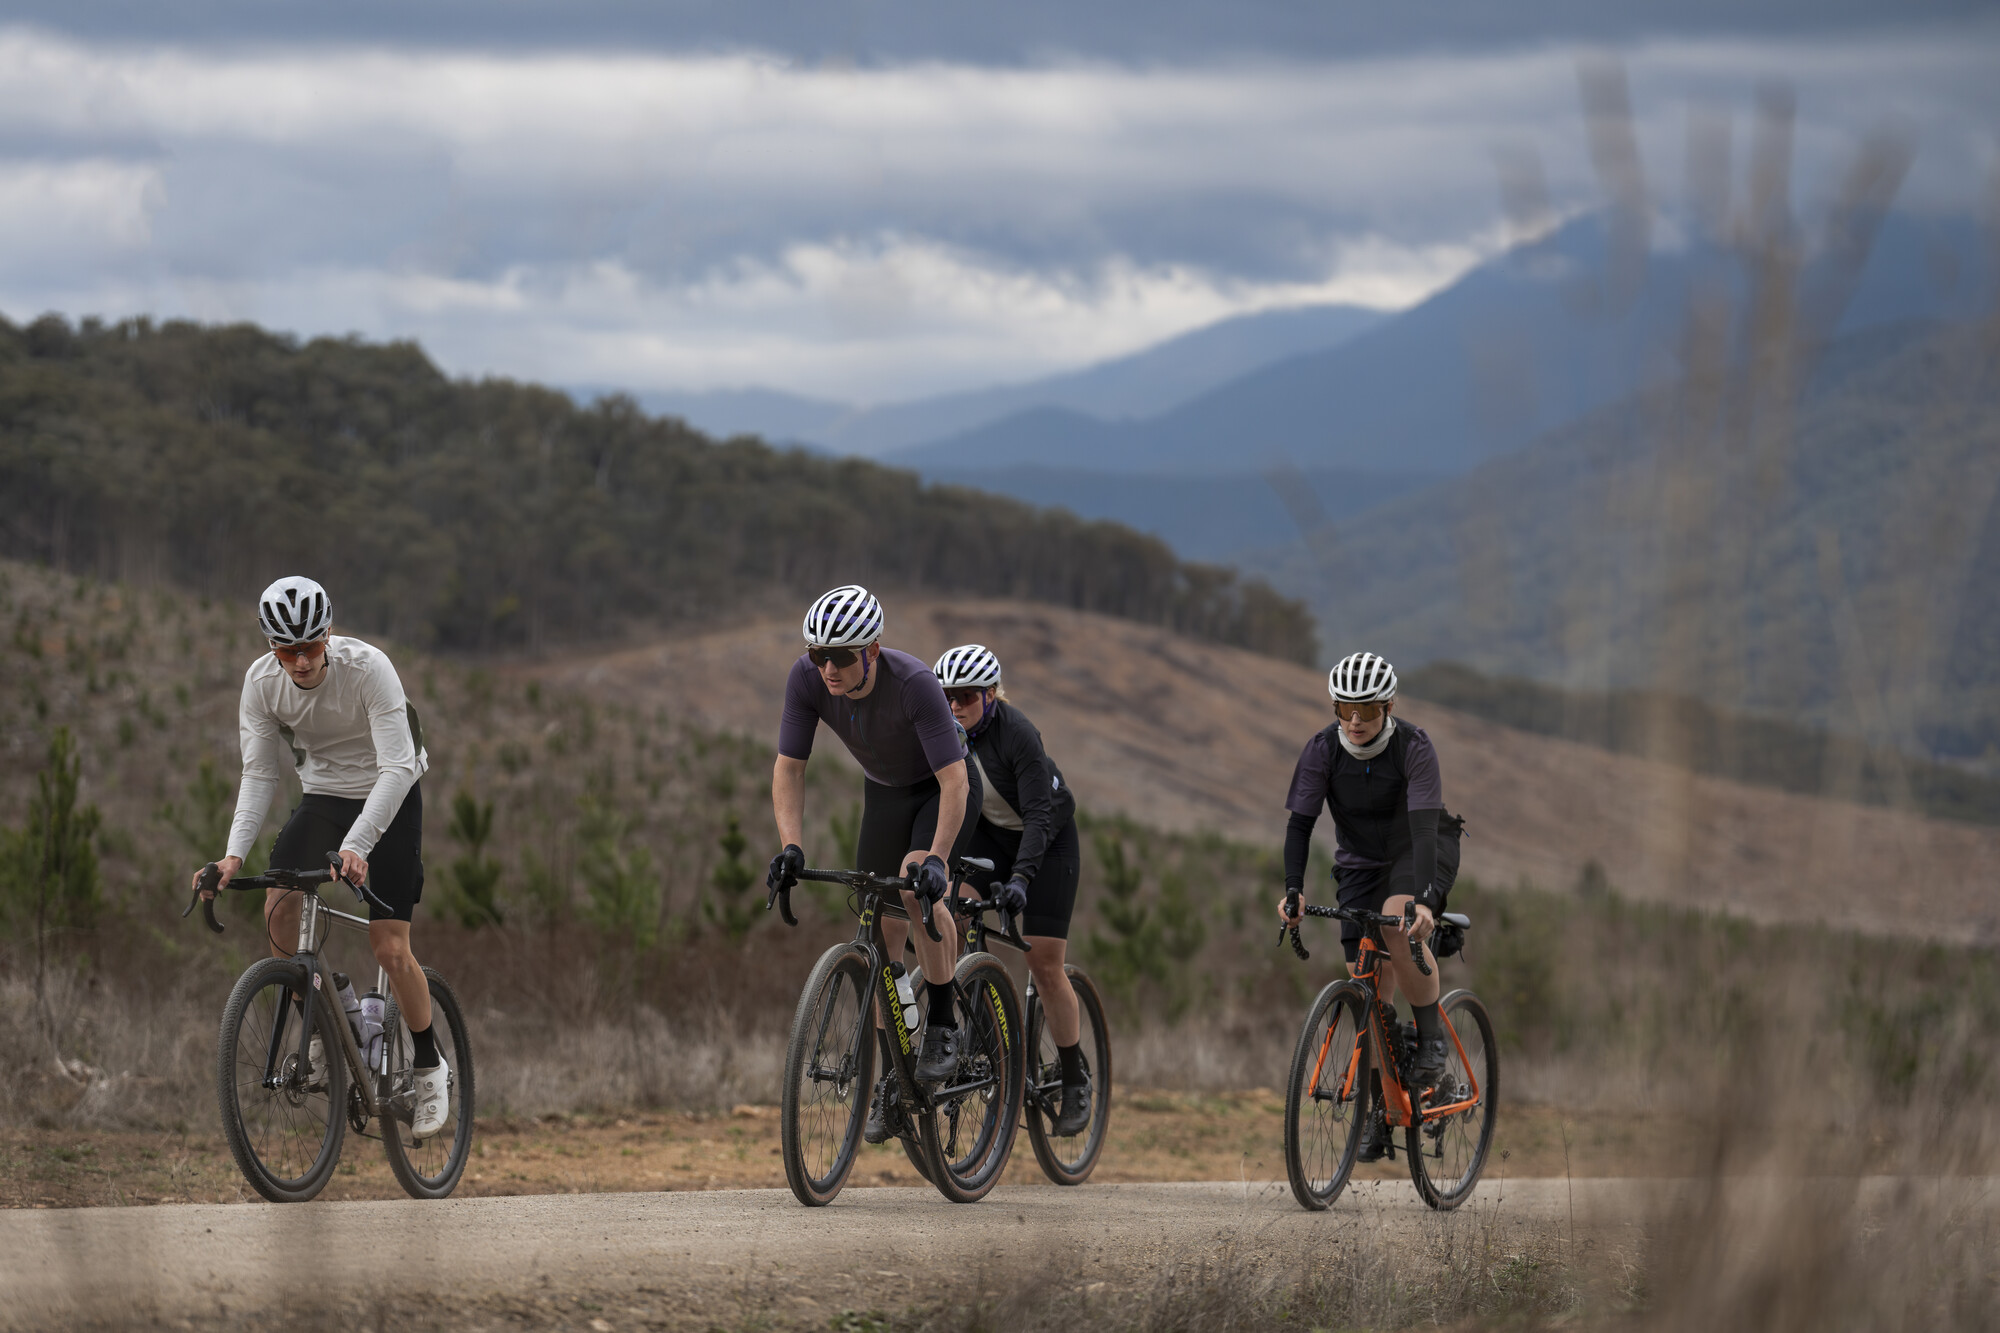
x=313 y=922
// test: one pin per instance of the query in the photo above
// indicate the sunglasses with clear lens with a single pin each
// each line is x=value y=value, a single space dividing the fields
x=1366 y=712
x=303 y=652
x=840 y=657
x=964 y=698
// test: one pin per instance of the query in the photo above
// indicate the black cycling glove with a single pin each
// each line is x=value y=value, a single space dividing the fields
x=932 y=879
x=1013 y=896
x=785 y=867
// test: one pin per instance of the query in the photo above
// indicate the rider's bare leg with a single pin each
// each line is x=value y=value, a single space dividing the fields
x=937 y=956
x=1420 y=989
x=391 y=942
x=281 y=921
x=1045 y=964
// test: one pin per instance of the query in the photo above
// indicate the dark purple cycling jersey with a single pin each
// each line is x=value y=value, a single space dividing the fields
x=1371 y=799
x=900 y=734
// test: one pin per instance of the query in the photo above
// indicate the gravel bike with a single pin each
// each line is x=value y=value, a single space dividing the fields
x=1066 y=1161
x=1353 y=1052
x=959 y=1131
x=286 y=1106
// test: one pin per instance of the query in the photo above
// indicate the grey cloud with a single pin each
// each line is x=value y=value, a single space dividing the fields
x=1024 y=31
x=702 y=220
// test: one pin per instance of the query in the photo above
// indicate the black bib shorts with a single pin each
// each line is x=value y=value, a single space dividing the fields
x=396 y=865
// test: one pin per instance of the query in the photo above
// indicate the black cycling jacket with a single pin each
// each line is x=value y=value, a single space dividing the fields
x=1010 y=750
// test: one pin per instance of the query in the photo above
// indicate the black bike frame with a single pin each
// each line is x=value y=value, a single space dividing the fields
x=873 y=904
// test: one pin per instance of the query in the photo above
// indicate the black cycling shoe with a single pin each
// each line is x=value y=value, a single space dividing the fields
x=877 y=1129
x=939 y=1059
x=1375 y=1141
x=1427 y=1066
x=1075 y=1117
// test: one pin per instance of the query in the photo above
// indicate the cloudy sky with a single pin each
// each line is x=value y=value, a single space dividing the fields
x=871 y=201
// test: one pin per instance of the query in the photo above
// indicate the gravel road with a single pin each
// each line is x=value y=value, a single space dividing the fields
x=634 y=1260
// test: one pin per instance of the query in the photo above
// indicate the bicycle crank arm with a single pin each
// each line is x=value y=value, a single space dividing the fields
x=961 y=1089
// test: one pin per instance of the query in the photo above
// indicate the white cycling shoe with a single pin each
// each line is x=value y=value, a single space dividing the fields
x=433 y=1088
x=316 y=1065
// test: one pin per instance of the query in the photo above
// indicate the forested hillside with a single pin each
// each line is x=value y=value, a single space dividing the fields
x=494 y=514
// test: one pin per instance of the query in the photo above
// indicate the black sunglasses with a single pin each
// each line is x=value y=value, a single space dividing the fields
x=840 y=657
x=965 y=697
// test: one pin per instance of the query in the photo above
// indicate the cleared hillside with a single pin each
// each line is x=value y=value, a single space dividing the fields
x=1188 y=736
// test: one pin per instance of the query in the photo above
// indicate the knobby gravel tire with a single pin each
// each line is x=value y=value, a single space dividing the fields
x=970 y=1155
x=430 y=1168
x=829 y=1075
x=285 y=1141
x=1323 y=1130
x=1447 y=1157
x=1068 y=1161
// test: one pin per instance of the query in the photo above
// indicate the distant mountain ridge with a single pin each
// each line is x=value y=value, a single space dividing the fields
x=1144 y=383
x=1520 y=346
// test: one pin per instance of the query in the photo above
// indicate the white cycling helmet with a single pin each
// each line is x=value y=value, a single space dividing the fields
x=294 y=610
x=1361 y=678
x=847 y=617
x=968 y=666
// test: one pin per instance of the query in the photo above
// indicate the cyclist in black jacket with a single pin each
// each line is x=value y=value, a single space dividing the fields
x=1396 y=845
x=1027 y=828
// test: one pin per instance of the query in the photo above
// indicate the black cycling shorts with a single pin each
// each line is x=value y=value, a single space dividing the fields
x=396 y=865
x=1373 y=886
x=1052 y=892
x=896 y=821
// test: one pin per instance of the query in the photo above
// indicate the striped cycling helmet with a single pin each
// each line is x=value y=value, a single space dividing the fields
x=968 y=666
x=847 y=617
x=1361 y=678
x=294 y=610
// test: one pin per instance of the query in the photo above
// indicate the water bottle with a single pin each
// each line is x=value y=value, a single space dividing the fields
x=372 y=1006
x=907 y=994
x=348 y=1002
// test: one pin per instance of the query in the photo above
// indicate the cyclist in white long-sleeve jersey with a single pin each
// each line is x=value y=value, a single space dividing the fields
x=334 y=708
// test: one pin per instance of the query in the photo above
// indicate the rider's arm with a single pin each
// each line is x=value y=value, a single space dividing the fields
x=396 y=768
x=1425 y=796
x=263 y=751
x=1307 y=795
x=953 y=789
x=1298 y=848
x=1034 y=794
x=788 y=800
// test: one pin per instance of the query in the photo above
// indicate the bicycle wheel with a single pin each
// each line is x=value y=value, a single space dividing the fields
x=1068 y=1161
x=829 y=1068
x=968 y=1134
x=429 y=1168
x=1447 y=1155
x=1326 y=1096
x=285 y=1131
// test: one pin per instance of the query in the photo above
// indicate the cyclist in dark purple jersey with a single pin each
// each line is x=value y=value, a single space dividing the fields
x=1379 y=779
x=920 y=802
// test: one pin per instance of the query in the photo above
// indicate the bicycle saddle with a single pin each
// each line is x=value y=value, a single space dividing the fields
x=1459 y=919
x=966 y=863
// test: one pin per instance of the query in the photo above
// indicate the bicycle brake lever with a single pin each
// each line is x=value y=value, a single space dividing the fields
x=211 y=874
x=930 y=926
x=1416 y=946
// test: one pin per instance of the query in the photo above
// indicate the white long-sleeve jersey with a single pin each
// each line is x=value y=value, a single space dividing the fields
x=352 y=735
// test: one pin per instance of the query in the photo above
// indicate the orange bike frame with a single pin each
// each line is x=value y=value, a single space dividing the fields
x=1397 y=1108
